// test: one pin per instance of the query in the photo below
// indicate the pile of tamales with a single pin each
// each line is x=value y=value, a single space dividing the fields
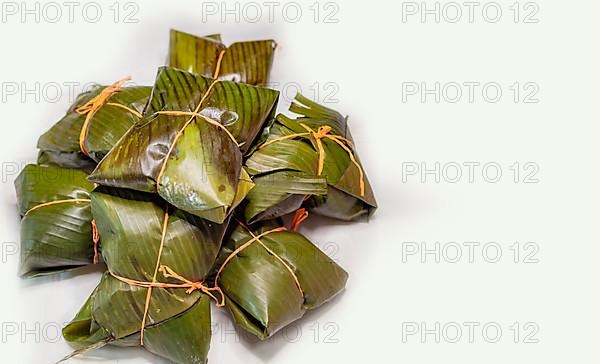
x=180 y=191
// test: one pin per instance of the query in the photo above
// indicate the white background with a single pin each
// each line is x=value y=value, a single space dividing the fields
x=367 y=56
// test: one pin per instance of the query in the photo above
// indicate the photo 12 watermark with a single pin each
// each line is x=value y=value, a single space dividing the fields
x=470 y=12
x=321 y=92
x=470 y=332
x=47 y=92
x=37 y=332
x=314 y=333
x=10 y=251
x=10 y=171
x=454 y=92
x=470 y=172
x=69 y=12
x=270 y=11
x=470 y=252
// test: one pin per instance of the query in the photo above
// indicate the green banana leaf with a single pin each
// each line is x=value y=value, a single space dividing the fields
x=60 y=143
x=72 y=160
x=343 y=199
x=202 y=173
x=83 y=331
x=248 y=62
x=261 y=293
x=280 y=193
x=184 y=338
x=55 y=237
x=130 y=225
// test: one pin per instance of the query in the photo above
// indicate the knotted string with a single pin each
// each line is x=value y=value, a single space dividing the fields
x=318 y=136
x=93 y=105
x=193 y=115
x=299 y=216
x=167 y=272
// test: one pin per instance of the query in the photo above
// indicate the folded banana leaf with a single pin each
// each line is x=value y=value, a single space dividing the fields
x=184 y=338
x=70 y=160
x=316 y=145
x=272 y=281
x=111 y=110
x=281 y=193
x=56 y=228
x=189 y=146
x=141 y=234
x=248 y=62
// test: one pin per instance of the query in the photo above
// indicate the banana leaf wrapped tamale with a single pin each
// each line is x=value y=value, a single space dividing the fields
x=93 y=124
x=56 y=228
x=248 y=62
x=299 y=157
x=189 y=146
x=153 y=293
x=270 y=278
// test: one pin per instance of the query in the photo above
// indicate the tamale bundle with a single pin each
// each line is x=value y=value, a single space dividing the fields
x=93 y=124
x=247 y=62
x=56 y=228
x=179 y=190
x=157 y=257
x=270 y=279
x=318 y=148
x=190 y=144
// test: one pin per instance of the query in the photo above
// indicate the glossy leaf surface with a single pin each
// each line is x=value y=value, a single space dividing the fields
x=204 y=167
x=54 y=237
x=344 y=200
x=262 y=295
x=105 y=128
x=247 y=62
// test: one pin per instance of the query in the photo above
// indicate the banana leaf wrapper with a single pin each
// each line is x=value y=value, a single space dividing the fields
x=72 y=160
x=261 y=293
x=55 y=236
x=248 y=62
x=132 y=226
x=60 y=145
x=184 y=338
x=190 y=162
x=273 y=162
x=280 y=193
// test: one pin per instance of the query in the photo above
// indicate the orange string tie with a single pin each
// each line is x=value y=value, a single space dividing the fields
x=126 y=108
x=193 y=115
x=256 y=239
x=93 y=105
x=299 y=217
x=168 y=273
x=318 y=136
x=193 y=286
x=56 y=202
x=95 y=239
x=95 y=235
